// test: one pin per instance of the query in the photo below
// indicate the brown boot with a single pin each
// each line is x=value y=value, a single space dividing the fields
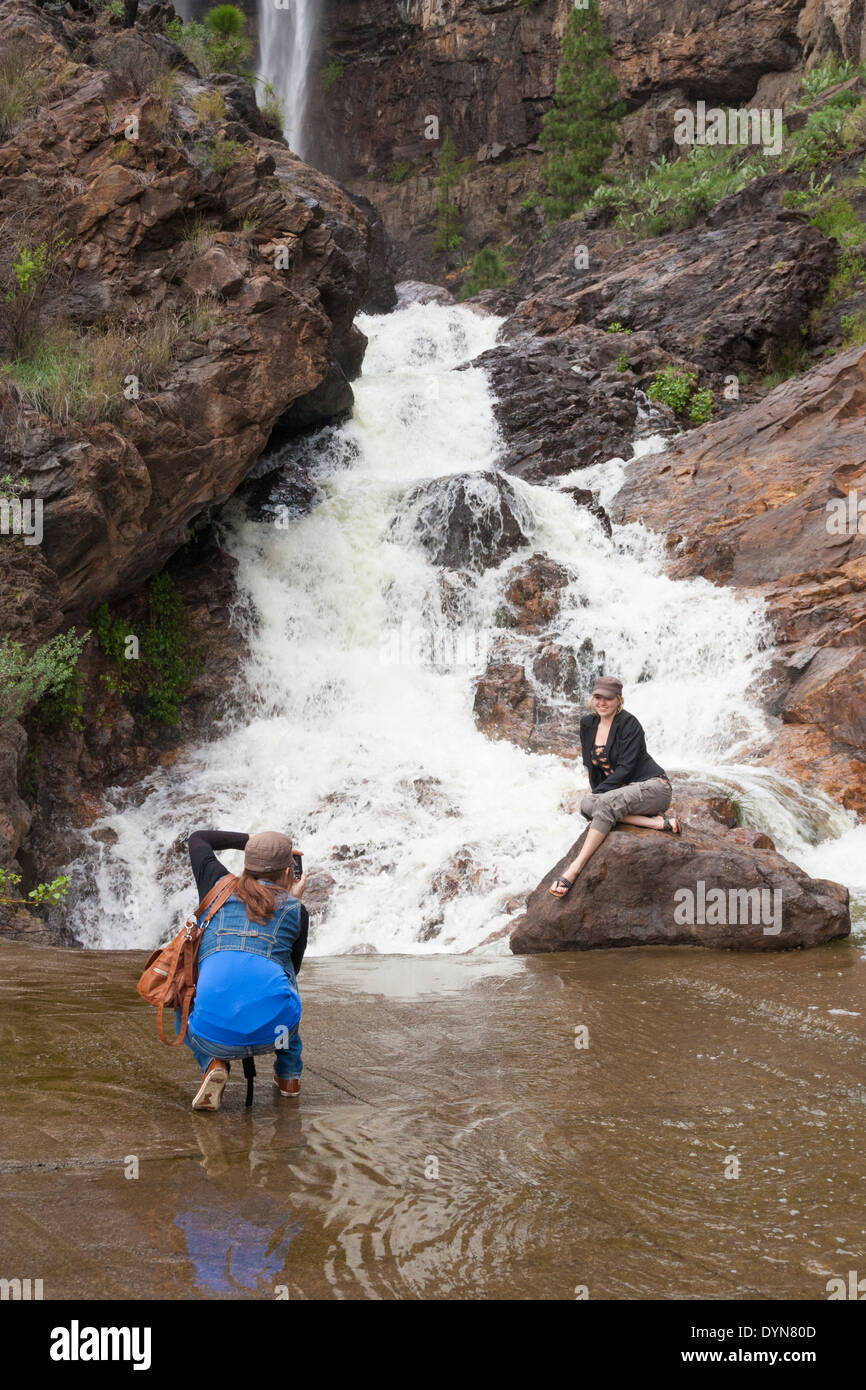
x=288 y=1085
x=213 y=1083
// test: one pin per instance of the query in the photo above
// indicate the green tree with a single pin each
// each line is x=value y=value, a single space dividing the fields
x=447 y=236
x=579 y=130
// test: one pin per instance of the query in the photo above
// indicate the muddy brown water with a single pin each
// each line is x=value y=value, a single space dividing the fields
x=451 y=1140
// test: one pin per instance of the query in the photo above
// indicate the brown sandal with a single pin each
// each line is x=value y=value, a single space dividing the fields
x=668 y=828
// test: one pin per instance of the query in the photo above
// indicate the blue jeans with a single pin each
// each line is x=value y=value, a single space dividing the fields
x=287 y=1060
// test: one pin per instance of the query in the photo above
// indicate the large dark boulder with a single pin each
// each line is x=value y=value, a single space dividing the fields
x=469 y=520
x=647 y=888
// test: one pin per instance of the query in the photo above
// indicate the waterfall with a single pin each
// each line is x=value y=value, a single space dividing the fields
x=358 y=734
x=287 y=35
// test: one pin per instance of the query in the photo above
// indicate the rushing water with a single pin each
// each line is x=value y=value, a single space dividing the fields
x=287 y=35
x=358 y=733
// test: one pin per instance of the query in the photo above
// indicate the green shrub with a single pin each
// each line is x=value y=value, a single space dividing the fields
x=25 y=680
x=210 y=106
x=223 y=154
x=819 y=141
x=214 y=49
x=271 y=107
x=673 y=388
x=847 y=99
x=854 y=329
x=399 y=171
x=159 y=679
x=51 y=893
x=616 y=327
x=331 y=74
x=447 y=236
x=854 y=128
x=622 y=363
x=227 y=21
x=825 y=75
x=579 y=130
x=489 y=271
x=702 y=406
x=790 y=361
x=34 y=270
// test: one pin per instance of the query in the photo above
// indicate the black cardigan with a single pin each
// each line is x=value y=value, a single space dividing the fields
x=625 y=749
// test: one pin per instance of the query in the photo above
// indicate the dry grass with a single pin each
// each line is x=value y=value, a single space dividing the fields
x=68 y=375
x=209 y=106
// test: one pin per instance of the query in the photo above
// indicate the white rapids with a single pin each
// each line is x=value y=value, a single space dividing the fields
x=358 y=735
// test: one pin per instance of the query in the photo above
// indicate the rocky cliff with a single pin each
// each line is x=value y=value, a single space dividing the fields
x=486 y=69
x=201 y=285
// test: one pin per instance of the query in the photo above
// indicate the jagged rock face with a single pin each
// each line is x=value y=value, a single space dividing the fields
x=633 y=893
x=559 y=404
x=487 y=68
x=119 y=494
x=721 y=296
x=769 y=501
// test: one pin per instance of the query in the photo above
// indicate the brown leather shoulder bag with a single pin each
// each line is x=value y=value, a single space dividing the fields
x=170 y=976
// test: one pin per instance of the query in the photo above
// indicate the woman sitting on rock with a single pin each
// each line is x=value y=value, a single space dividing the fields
x=246 y=998
x=628 y=787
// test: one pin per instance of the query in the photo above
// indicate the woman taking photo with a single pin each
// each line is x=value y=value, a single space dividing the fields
x=628 y=787
x=246 y=999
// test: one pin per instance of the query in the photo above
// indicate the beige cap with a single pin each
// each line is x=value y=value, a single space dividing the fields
x=269 y=852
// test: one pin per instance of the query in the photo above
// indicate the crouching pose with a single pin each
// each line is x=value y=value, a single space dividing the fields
x=246 y=999
x=627 y=786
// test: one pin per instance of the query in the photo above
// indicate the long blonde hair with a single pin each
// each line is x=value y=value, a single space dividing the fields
x=259 y=894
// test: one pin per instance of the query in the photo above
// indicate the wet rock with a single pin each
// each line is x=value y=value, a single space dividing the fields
x=583 y=497
x=469 y=520
x=417 y=292
x=556 y=668
x=533 y=591
x=505 y=705
x=381 y=292
x=646 y=888
x=318 y=893
x=552 y=415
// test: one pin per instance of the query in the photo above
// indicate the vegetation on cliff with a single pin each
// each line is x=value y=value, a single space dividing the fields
x=579 y=130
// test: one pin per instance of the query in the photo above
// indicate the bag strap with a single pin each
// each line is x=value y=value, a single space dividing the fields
x=216 y=898
x=210 y=905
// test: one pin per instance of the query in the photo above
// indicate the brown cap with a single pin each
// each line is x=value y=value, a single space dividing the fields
x=269 y=852
x=609 y=686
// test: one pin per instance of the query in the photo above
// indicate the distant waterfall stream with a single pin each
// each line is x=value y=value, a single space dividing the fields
x=357 y=731
x=287 y=35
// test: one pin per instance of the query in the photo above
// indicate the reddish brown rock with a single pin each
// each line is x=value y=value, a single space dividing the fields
x=753 y=501
x=505 y=704
x=120 y=494
x=533 y=590
x=642 y=887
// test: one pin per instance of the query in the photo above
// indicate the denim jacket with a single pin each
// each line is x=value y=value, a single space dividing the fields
x=230 y=930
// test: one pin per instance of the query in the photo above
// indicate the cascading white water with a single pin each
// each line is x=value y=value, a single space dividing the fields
x=287 y=36
x=358 y=734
